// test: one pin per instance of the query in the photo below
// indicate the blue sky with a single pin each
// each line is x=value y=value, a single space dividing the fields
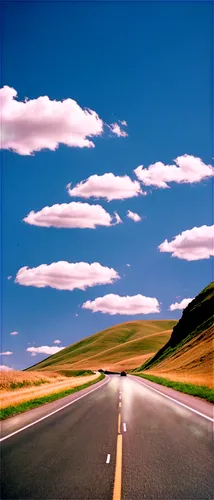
x=150 y=64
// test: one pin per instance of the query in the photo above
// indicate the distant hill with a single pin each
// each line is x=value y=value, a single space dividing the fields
x=188 y=354
x=119 y=347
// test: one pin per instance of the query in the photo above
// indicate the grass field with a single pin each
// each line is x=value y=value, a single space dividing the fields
x=17 y=379
x=187 y=357
x=112 y=348
x=188 y=388
x=12 y=410
x=37 y=387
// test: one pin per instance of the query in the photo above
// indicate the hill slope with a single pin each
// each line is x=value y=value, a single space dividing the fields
x=119 y=347
x=188 y=354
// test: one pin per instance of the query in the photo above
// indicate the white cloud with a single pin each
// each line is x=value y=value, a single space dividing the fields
x=4 y=368
x=64 y=275
x=193 y=244
x=109 y=186
x=76 y=314
x=117 y=218
x=123 y=122
x=187 y=169
x=128 y=265
x=44 y=349
x=43 y=123
x=115 y=304
x=14 y=333
x=57 y=342
x=135 y=217
x=72 y=215
x=180 y=305
x=9 y=277
x=6 y=353
x=116 y=129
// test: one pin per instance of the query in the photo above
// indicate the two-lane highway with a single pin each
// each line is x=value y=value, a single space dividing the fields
x=125 y=440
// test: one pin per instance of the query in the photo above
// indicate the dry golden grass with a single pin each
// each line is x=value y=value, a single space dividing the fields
x=188 y=378
x=110 y=346
x=130 y=363
x=24 y=394
x=10 y=379
x=193 y=363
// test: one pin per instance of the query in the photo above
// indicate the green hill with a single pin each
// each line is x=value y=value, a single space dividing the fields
x=188 y=354
x=119 y=347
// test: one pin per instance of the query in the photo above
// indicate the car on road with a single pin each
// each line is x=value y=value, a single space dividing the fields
x=123 y=374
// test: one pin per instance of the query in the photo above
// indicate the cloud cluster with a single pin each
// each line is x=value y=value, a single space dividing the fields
x=42 y=123
x=187 y=169
x=126 y=305
x=64 y=275
x=57 y=342
x=44 y=349
x=6 y=353
x=193 y=244
x=108 y=186
x=4 y=368
x=132 y=215
x=180 y=305
x=72 y=215
x=116 y=129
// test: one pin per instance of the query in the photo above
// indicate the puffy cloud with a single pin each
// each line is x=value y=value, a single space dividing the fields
x=42 y=123
x=14 y=333
x=187 y=169
x=9 y=277
x=44 y=349
x=4 y=368
x=109 y=186
x=57 y=342
x=193 y=244
x=116 y=129
x=135 y=217
x=180 y=305
x=6 y=353
x=64 y=275
x=115 y=304
x=72 y=215
x=128 y=265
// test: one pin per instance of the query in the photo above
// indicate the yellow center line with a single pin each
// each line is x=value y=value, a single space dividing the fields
x=118 y=470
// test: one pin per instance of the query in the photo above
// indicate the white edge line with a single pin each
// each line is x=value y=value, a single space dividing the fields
x=52 y=413
x=175 y=400
x=108 y=458
x=124 y=427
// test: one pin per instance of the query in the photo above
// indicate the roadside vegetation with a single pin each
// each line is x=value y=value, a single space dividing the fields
x=194 y=390
x=12 y=410
x=17 y=379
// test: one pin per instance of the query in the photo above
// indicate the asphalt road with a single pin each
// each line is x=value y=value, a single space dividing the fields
x=119 y=440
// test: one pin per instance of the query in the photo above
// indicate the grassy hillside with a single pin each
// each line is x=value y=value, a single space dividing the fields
x=119 y=347
x=188 y=354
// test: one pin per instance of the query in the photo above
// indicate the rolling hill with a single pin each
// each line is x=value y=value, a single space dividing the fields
x=188 y=354
x=119 y=347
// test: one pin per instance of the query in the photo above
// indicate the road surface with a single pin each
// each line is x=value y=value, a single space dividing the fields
x=124 y=438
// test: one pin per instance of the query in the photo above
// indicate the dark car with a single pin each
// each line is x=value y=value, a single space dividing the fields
x=123 y=374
